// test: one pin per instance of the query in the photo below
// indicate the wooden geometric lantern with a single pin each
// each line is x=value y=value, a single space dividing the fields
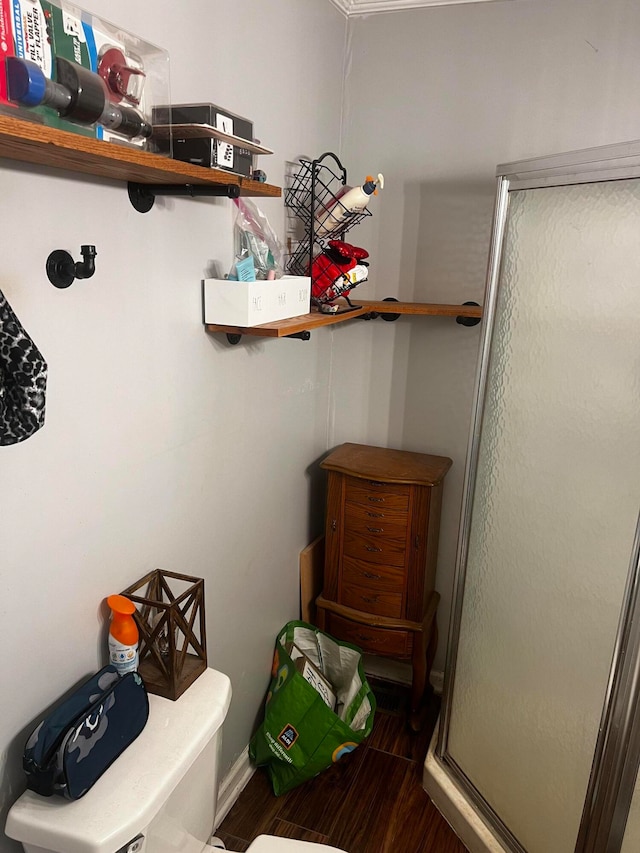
x=171 y=621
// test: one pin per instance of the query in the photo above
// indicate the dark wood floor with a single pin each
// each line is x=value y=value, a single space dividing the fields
x=371 y=801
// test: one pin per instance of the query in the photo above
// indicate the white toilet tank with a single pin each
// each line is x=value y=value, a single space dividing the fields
x=159 y=796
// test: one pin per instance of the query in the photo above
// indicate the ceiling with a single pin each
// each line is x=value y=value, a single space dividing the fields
x=367 y=7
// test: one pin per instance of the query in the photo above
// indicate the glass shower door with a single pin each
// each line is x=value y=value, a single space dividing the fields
x=552 y=509
x=632 y=833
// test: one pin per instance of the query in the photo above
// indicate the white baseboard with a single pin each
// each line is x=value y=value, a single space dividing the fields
x=386 y=669
x=437 y=681
x=233 y=785
x=399 y=672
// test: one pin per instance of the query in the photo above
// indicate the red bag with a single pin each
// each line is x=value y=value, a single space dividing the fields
x=329 y=271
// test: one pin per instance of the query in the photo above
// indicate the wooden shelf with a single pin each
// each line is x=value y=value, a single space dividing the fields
x=314 y=320
x=30 y=142
x=431 y=309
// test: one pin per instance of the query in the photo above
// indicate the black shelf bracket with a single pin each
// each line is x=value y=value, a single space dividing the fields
x=468 y=321
x=373 y=315
x=234 y=338
x=143 y=196
x=390 y=318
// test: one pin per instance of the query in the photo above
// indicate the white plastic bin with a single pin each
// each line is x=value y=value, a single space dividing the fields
x=252 y=303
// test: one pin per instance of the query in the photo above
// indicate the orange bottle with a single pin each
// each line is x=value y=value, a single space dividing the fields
x=123 y=634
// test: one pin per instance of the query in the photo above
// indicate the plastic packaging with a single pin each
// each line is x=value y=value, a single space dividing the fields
x=134 y=72
x=254 y=238
x=79 y=95
x=352 y=201
x=123 y=635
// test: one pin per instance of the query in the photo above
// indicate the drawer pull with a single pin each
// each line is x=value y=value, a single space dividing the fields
x=371 y=576
x=371 y=548
x=375 y=514
x=375 y=500
x=334 y=524
x=364 y=639
x=376 y=483
x=371 y=599
x=375 y=529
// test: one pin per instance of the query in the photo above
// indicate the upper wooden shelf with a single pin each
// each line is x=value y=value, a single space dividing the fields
x=314 y=320
x=30 y=142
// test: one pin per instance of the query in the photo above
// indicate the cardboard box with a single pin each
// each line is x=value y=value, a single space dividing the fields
x=310 y=672
x=211 y=153
x=251 y=303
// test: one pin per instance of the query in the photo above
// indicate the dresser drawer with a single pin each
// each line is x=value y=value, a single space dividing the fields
x=376 y=578
x=374 y=520
x=364 y=597
x=377 y=496
x=374 y=548
x=377 y=641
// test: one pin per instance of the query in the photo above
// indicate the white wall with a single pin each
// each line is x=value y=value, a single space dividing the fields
x=435 y=99
x=163 y=446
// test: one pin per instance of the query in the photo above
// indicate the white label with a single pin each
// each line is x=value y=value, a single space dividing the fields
x=72 y=26
x=124 y=658
x=224 y=149
x=30 y=34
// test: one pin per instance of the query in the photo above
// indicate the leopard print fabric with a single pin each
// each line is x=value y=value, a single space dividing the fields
x=23 y=380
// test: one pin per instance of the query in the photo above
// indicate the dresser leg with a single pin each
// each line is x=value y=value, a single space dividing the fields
x=424 y=652
x=419 y=680
x=432 y=648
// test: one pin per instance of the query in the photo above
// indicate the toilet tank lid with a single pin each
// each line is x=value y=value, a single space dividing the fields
x=131 y=792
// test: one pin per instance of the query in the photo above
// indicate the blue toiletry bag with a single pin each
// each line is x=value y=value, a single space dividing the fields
x=72 y=747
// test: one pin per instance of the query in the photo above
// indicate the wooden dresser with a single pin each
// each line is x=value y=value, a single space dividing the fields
x=381 y=547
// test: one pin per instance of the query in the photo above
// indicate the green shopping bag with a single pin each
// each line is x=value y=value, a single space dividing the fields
x=301 y=735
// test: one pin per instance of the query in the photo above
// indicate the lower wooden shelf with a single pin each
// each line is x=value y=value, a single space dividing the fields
x=314 y=320
x=432 y=309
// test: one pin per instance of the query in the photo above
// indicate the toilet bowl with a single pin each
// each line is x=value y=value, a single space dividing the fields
x=271 y=844
x=158 y=797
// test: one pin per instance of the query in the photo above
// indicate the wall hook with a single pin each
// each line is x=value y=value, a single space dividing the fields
x=62 y=270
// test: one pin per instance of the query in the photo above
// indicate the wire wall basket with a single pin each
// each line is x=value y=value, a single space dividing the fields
x=314 y=198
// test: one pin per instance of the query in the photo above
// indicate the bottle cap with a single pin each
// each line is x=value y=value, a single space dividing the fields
x=26 y=83
x=121 y=604
x=371 y=184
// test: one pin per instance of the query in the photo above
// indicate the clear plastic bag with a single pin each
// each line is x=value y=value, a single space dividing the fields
x=254 y=238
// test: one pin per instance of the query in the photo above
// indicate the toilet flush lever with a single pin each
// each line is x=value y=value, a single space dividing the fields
x=134 y=846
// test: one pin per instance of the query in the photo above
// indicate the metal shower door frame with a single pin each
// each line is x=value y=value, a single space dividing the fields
x=617 y=754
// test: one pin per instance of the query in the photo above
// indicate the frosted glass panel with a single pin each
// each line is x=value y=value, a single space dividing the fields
x=555 y=507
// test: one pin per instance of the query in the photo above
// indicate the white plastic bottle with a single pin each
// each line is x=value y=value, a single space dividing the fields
x=123 y=635
x=352 y=201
